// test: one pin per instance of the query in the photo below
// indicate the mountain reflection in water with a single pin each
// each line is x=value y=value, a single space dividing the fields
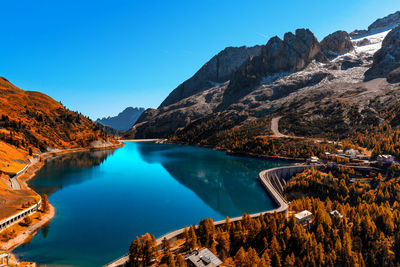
x=104 y=199
x=227 y=184
x=60 y=171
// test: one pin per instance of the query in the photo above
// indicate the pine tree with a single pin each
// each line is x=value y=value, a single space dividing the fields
x=266 y=259
x=180 y=261
x=240 y=258
x=289 y=260
x=149 y=249
x=192 y=238
x=165 y=246
x=45 y=203
x=135 y=253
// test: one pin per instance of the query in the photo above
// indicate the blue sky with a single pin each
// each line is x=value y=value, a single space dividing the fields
x=98 y=57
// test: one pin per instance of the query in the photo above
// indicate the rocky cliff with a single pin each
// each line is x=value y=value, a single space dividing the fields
x=336 y=43
x=218 y=70
x=294 y=74
x=291 y=54
x=383 y=24
x=386 y=62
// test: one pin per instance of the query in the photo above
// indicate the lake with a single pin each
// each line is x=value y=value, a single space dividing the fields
x=104 y=199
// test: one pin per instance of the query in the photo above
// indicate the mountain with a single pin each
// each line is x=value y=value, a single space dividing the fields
x=124 y=120
x=218 y=70
x=386 y=62
x=109 y=130
x=296 y=77
x=387 y=23
x=34 y=121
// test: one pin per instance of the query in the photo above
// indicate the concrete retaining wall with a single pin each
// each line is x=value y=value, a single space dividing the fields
x=19 y=216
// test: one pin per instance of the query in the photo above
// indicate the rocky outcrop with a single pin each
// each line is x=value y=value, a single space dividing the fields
x=387 y=59
x=336 y=43
x=218 y=70
x=388 y=22
x=384 y=24
x=291 y=54
x=394 y=76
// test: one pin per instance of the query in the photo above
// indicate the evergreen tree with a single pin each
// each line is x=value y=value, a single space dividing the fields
x=135 y=253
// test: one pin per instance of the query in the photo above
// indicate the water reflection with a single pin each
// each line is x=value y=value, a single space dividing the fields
x=62 y=171
x=227 y=184
x=143 y=187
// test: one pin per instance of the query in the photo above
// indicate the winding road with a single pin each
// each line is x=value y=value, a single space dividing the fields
x=275 y=127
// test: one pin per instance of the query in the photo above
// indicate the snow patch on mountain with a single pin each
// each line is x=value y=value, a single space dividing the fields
x=370 y=44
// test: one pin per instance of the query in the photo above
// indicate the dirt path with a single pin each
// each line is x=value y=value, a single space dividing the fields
x=15 y=184
x=275 y=127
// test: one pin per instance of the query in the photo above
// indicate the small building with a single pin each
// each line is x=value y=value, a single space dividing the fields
x=303 y=217
x=313 y=160
x=201 y=258
x=340 y=152
x=352 y=153
x=362 y=157
x=385 y=159
x=336 y=214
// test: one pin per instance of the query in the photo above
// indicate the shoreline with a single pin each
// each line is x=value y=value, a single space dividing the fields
x=264 y=178
x=237 y=153
x=141 y=140
x=23 y=237
x=29 y=232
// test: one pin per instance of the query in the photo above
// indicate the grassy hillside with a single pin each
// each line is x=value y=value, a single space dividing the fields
x=34 y=122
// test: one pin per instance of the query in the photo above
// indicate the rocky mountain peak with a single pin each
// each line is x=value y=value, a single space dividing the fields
x=124 y=120
x=336 y=43
x=380 y=25
x=218 y=70
x=290 y=73
x=293 y=53
x=387 y=22
x=387 y=59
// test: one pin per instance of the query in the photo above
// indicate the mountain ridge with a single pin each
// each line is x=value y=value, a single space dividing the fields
x=272 y=82
x=124 y=120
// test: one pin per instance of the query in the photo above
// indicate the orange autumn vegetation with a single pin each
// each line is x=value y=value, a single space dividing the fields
x=367 y=233
x=8 y=156
x=32 y=121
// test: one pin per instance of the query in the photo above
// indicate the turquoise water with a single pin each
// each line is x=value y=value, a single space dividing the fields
x=104 y=199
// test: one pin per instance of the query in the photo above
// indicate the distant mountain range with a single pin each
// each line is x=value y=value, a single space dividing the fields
x=343 y=73
x=124 y=120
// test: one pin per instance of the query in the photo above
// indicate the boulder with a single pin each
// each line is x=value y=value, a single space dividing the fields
x=394 y=76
